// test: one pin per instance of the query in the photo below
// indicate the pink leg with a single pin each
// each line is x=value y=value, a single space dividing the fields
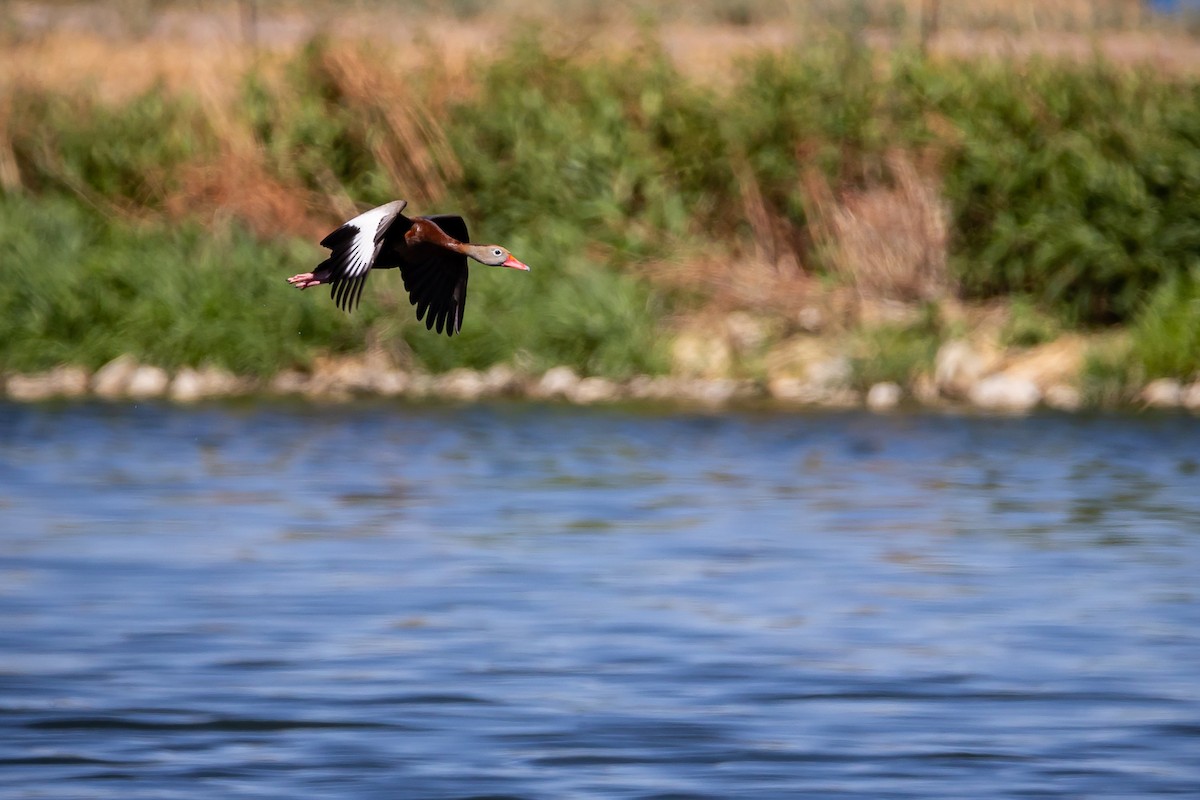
x=303 y=280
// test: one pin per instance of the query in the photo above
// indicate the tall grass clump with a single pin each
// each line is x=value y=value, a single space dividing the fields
x=896 y=353
x=1165 y=336
x=341 y=126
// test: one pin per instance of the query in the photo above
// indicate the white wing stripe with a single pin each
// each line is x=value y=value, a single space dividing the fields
x=367 y=224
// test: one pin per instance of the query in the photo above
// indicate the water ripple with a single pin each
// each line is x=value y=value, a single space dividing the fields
x=522 y=602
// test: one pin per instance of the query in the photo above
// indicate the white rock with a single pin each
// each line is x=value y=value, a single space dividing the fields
x=289 y=381
x=1063 y=397
x=701 y=354
x=792 y=390
x=420 y=384
x=70 y=381
x=713 y=392
x=1057 y=362
x=112 y=380
x=1005 y=393
x=353 y=376
x=460 y=384
x=594 y=390
x=959 y=366
x=58 y=382
x=803 y=392
x=807 y=392
x=1163 y=393
x=390 y=382
x=810 y=358
x=830 y=373
x=190 y=384
x=147 y=381
x=501 y=379
x=883 y=396
x=1191 y=397
x=660 y=387
x=185 y=386
x=556 y=382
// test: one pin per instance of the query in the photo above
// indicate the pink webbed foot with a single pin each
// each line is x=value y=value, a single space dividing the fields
x=303 y=280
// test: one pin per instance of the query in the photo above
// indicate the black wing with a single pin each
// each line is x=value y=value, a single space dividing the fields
x=354 y=247
x=436 y=278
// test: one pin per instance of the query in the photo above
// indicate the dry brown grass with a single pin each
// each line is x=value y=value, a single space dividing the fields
x=239 y=188
x=889 y=242
x=405 y=133
x=408 y=139
x=61 y=45
x=116 y=71
x=10 y=175
x=726 y=282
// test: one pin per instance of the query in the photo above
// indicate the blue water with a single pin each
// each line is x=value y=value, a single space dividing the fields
x=288 y=601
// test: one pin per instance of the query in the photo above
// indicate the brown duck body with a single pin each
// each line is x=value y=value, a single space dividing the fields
x=430 y=252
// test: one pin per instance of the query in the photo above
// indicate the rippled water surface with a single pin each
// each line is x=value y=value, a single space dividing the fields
x=515 y=601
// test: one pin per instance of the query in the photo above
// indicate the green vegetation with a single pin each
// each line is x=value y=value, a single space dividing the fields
x=1166 y=335
x=1074 y=187
x=80 y=288
x=1077 y=186
x=127 y=155
x=1027 y=325
x=896 y=353
x=1108 y=379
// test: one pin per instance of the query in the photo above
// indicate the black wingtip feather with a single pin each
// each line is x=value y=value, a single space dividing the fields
x=339 y=236
x=346 y=293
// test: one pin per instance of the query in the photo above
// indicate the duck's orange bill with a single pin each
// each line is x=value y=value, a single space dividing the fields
x=512 y=262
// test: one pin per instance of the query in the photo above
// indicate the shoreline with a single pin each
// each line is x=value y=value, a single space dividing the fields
x=355 y=378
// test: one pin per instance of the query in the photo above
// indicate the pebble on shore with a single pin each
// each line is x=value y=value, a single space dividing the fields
x=58 y=382
x=1163 y=393
x=824 y=383
x=884 y=396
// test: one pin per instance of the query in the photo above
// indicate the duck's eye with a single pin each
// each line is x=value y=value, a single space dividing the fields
x=497 y=253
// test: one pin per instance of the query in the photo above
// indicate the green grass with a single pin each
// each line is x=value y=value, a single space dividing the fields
x=1166 y=333
x=1110 y=376
x=83 y=289
x=128 y=154
x=896 y=353
x=1028 y=325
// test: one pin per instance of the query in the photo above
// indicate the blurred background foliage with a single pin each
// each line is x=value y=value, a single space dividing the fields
x=162 y=222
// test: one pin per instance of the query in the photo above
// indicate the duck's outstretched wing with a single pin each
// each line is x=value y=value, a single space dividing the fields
x=436 y=278
x=354 y=248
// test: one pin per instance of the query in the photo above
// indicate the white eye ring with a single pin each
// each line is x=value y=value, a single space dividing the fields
x=497 y=253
